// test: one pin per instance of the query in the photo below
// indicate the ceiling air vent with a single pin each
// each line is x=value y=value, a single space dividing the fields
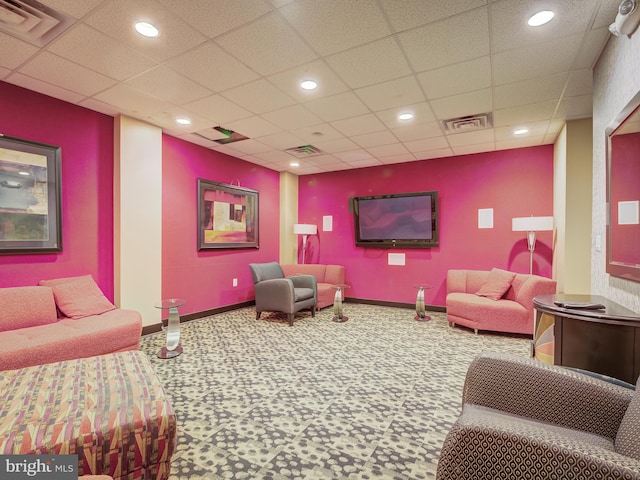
x=304 y=151
x=469 y=123
x=31 y=21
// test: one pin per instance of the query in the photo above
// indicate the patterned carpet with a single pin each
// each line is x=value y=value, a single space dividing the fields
x=372 y=398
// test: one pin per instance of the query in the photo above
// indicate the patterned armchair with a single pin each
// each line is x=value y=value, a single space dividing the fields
x=525 y=419
x=275 y=293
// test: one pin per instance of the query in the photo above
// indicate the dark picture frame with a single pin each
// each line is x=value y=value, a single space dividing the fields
x=227 y=216
x=30 y=211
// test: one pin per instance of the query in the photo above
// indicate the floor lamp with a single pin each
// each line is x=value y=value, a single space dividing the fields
x=531 y=225
x=304 y=229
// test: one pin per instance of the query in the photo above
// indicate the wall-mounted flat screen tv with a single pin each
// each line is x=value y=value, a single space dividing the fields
x=408 y=220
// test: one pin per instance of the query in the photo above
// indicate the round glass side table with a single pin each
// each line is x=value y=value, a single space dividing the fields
x=337 y=303
x=421 y=311
x=173 y=347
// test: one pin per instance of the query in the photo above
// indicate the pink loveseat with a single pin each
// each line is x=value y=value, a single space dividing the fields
x=326 y=276
x=62 y=319
x=512 y=312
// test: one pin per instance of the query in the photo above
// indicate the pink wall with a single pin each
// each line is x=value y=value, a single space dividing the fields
x=515 y=183
x=204 y=278
x=86 y=138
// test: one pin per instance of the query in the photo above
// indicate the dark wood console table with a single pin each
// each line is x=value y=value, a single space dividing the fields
x=605 y=341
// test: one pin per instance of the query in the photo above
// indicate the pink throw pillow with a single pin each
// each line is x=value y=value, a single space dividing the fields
x=496 y=285
x=22 y=307
x=79 y=297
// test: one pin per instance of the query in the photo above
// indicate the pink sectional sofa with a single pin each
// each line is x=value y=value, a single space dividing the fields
x=60 y=320
x=510 y=311
x=326 y=276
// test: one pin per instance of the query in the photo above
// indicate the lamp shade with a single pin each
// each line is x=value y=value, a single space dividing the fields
x=531 y=224
x=305 y=229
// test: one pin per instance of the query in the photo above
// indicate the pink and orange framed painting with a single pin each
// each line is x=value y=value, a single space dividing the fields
x=30 y=213
x=227 y=216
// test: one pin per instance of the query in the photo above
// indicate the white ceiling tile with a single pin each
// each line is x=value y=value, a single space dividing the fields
x=216 y=18
x=453 y=40
x=212 y=67
x=387 y=150
x=535 y=129
x=336 y=145
x=575 y=107
x=131 y=101
x=73 y=7
x=413 y=13
x=519 y=143
x=194 y=138
x=530 y=90
x=273 y=156
x=591 y=48
x=524 y=113
x=281 y=141
x=4 y=72
x=167 y=120
x=14 y=52
x=331 y=26
x=46 y=88
x=293 y=117
x=249 y=147
x=476 y=148
x=391 y=94
x=427 y=144
x=165 y=84
x=459 y=78
x=269 y=45
x=117 y=19
x=354 y=156
x=337 y=107
x=358 y=125
x=95 y=50
x=607 y=12
x=308 y=169
x=535 y=60
x=218 y=109
x=472 y=103
x=374 y=62
x=439 y=153
x=368 y=162
x=328 y=82
x=400 y=158
x=253 y=127
x=318 y=132
x=421 y=114
x=471 y=138
x=335 y=167
x=417 y=132
x=321 y=160
x=580 y=83
x=259 y=97
x=374 y=139
x=98 y=106
x=65 y=74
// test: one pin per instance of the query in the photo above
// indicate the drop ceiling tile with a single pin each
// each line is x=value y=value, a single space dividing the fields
x=337 y=145
x=354 y=156
x=289 y=118
x=165 y=84
x=318 y=132
x=388 y=150
x=607 y=12
x=65 y=74
x=212 y=67
x=167 y=120
x=509 y=27
x=374 y=62
x=575 y=107
x=534 y=61
x=368 y=162
x=194 y=138
x=116 y=19
x=98 y=106
x=439 y=153
x=358 y=125
x=43 y=87
x=391 y=94
x=459 y=78
x=4 y=72
x=477 y=148
x=216 y=18
x=307 y=169
x=218 y=109
x=332 y=26
x=95 y=50
x=131 y=101
x=273 y=156
x=519 y=143
x=72 y=7
x=449 y=41
x=336 y=167
x=580 y=83
x=248 y=147
x=13 y=52
x=321 y=160
x=427 y=144
x=401 y=158
x=531 y=90
x=384 y=137
x=413 y=13
x=253 y=127
x=591 y=48
x=259 y=97
x=281 y=141
x=421 y=114
x=269 y=45
x=418 y=132
x=524 y=113
x=328 y=82
x=472 y=103
x=337 y=107
x=535 y=129
x=471 y=138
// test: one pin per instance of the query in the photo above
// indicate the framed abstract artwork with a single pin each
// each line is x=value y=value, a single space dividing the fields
x=227 y=216
x=30 y=212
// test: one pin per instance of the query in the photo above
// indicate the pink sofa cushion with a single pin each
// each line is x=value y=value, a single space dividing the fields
x=79 y=297
x=22 y=307
x=497 y=283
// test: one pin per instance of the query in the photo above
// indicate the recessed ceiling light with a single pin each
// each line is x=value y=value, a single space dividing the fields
x=294 y=164
x=309 y=85
x=405 y=116
x=540 y=18
x=183 y=121
x=146 y=29
x=26 y=174
x=520 y=131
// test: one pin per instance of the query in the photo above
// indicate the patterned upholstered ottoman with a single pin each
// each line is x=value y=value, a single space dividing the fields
x=110 y=410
